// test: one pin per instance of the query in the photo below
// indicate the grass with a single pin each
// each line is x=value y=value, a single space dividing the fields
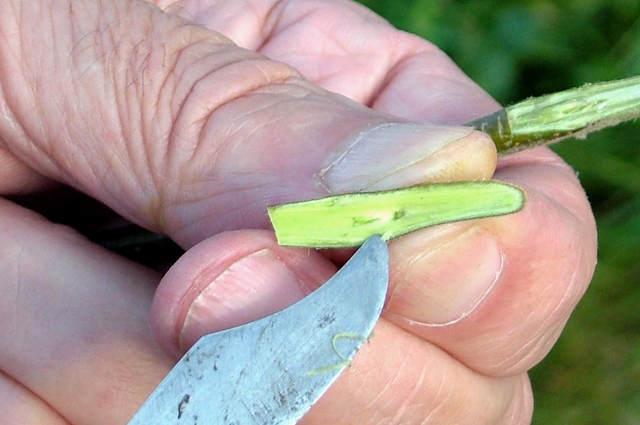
x=521 y=48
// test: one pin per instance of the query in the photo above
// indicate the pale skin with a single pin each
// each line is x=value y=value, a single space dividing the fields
x=178 y=128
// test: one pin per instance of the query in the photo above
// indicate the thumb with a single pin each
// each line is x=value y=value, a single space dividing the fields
x=183 y=132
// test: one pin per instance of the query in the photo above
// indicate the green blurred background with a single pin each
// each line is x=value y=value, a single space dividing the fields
x=521 y=48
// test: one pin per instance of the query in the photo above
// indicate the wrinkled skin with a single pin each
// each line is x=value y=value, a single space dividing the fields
x=186 y=130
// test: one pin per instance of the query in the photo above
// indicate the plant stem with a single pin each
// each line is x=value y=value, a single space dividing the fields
x=348 y=220
x=571 y=113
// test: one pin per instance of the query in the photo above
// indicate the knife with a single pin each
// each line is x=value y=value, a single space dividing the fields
x=273 y=370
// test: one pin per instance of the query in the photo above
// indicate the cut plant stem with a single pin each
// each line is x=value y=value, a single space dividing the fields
x=349 y=220
x=557 y=116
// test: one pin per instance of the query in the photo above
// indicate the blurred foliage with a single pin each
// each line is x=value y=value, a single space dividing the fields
x=520 y=48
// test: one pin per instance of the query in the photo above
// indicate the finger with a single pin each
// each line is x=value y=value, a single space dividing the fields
x=497 y=293
x=339 y=45
x=363 y=57
x=355 y=53
x=396 y=378
x=16 y=178
x=76 y=329
x=400 y=379
x=20 y=406
x=179 y=130
x=229 y=280
x=426 y=85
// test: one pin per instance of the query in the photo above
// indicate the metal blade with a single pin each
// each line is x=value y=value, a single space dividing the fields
x=272 y=371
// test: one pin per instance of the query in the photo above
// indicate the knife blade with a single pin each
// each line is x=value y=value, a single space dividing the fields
x=271 y=371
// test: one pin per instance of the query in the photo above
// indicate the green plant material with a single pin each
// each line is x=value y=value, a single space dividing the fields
x=571 y=113
x=344 y=360
x=349 y=220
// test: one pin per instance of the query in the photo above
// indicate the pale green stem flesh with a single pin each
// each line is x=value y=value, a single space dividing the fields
x=349 y=220
x=571 y=113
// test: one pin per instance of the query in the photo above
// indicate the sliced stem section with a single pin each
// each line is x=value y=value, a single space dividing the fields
x=349 y=220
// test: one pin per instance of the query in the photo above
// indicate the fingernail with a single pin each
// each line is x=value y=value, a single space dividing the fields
x=251 y=288
x=447 y=283
x=391 y=155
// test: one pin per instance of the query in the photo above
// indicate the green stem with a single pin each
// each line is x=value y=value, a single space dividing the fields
x=571 y=113
x=348 y=220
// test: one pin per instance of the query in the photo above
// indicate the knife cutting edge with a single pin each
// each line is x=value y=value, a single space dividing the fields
x=273 y=370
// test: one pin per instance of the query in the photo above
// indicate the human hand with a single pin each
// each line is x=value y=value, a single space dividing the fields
x=180 y=131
